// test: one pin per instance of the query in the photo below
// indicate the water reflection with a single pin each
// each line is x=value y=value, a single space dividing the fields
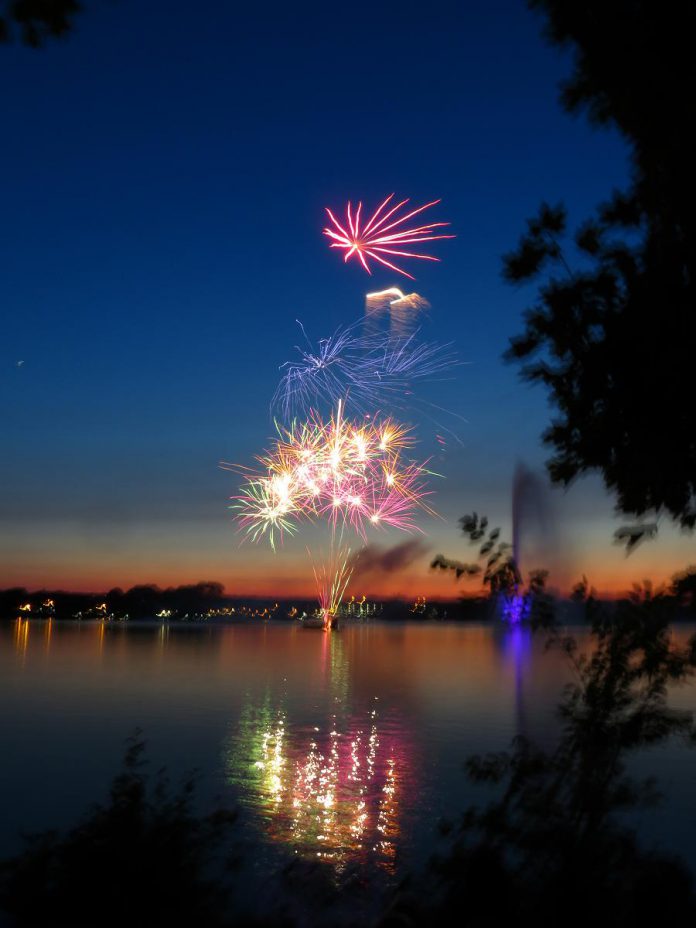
x=331 y=790
x=517 y=647
x=21 y=638
x=43 y=628
x=371 y=776
x=48 y=635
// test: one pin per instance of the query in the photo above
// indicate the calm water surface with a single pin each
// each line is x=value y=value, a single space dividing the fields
x=347 y=746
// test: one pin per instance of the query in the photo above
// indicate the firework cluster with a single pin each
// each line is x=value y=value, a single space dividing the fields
x=352 y=474
x=350 y=468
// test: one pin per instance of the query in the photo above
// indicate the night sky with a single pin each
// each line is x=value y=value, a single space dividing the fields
x=164 y=173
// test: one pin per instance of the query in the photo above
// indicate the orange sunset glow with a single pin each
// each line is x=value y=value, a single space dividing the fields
x=56 y=559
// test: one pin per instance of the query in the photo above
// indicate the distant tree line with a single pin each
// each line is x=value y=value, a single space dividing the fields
x=139 y=602
x=147 y=601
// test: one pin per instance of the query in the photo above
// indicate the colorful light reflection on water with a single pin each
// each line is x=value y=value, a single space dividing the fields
x=332 y=794
x=332 y=790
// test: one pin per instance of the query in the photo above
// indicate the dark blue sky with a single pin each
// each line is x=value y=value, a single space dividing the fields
x=164 y=171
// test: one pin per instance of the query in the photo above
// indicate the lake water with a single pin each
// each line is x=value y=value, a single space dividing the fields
x=348 y=746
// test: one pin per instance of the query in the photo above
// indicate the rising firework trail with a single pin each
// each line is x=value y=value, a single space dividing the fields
x=332 y=577
x=383 y=234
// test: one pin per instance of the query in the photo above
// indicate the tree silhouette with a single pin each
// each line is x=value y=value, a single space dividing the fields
x=684 y=588
x=612 y=331
x=500 y=572
x=34 y=21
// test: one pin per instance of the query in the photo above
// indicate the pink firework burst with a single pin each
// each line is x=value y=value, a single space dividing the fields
x=383 y=234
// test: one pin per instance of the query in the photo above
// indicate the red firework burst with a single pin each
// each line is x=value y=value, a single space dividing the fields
x=379 y=237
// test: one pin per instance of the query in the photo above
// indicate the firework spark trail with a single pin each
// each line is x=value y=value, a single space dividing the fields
x=374 y=239
x=350 y=474
x=366 y=371
x=401 y=310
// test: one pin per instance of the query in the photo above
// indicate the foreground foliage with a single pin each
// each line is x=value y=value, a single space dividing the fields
x=144 y=857
x=554 y=845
